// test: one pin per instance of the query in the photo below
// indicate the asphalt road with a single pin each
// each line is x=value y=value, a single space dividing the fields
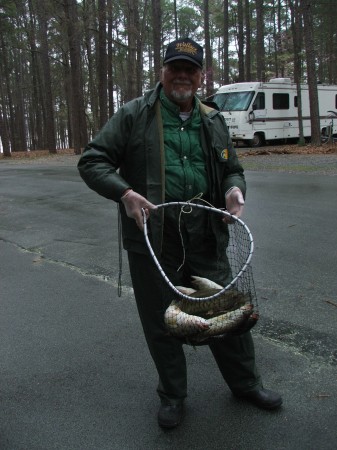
x=75 y=370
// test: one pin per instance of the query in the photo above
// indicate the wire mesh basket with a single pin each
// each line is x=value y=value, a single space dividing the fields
x=210 y=311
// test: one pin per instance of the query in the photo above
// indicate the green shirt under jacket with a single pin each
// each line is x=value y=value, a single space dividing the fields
x=185 y=165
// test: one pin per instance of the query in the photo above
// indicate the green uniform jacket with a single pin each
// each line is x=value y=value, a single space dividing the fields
x=129 y=152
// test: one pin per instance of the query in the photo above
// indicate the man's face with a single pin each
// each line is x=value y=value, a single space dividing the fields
x=181 y=79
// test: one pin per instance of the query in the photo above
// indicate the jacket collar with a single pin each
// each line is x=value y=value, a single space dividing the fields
x=152 y=96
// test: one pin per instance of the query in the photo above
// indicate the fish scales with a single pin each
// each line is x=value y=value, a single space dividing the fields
x=205 y=318
x=186 y=325
x=228 y=301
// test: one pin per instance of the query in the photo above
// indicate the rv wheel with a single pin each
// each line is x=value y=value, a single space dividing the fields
x=257 y=141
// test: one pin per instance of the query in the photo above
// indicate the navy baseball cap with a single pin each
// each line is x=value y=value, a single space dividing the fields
x=185 y=49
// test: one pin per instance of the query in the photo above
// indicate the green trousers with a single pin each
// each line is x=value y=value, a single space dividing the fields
x=234 y=356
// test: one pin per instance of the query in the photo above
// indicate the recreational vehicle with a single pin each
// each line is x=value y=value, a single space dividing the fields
x=257 y=112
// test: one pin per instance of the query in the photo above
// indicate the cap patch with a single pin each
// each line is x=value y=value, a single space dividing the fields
x=186 y=47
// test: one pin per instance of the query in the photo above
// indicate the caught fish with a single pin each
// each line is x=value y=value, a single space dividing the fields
x=179 y=323
x=229 y=300
x=202 y=319
x=186 y=290
x=247 y=324
x=186 y=325
x=204 y=283
x=225 y=323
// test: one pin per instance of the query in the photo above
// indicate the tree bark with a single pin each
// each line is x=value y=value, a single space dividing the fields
x=49 y=125
x=311 y=71
x=260 y=52
x=110 y=61
x=131 y=91
x=208 y=52
x=4 y=135
x=156 y=42
x=102 y=64
x=241 y=64
x=79 y=128
x=297 y=40
x=248 y=75
x=225 y=43
x=89 y=15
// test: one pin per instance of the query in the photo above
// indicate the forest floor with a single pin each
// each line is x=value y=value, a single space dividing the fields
x=36 y=154
x=308 y=159
x=288 y=149
x=283 y=149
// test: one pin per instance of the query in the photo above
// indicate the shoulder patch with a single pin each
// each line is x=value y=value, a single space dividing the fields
x=224 y=153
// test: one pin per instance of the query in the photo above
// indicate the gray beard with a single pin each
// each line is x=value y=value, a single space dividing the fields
x=181 y=97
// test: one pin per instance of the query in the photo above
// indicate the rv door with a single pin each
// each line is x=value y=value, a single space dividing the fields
x=259 y=113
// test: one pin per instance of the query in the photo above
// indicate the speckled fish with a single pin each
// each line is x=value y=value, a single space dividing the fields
x=229 y=300
x=186 y=325
x=225 y=323
x=215 y=316
x=204 y=283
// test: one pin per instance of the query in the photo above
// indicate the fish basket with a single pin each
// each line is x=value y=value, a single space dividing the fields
x=206 y=311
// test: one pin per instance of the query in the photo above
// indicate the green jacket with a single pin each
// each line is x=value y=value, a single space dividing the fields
x=128 y=152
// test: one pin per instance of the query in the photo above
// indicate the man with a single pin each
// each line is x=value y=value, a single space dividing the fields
x=168 y=146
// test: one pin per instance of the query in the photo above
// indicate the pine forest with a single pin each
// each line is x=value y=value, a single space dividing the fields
x=66 y=66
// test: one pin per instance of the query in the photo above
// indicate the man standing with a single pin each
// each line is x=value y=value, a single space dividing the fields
x=168 y=146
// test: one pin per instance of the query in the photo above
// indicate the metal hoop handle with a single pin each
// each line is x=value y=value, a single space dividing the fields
x=207 y=208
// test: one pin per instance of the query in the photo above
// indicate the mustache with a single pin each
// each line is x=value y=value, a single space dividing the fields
x=180 y=81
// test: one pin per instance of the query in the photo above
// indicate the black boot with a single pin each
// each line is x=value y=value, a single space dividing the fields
x=170 y=414
x=263 y=398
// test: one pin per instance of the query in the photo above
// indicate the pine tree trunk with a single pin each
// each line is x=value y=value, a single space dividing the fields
x=131 y=91
x=225 y=43
x=297 y=42
x=79 y=127
x=4 y=135
x=102 y=64
x=156 y=25
x=248 y=75
x=208 y=53
x=47 y=88
x=311 y=71
x=241 y=63
x=260 y=52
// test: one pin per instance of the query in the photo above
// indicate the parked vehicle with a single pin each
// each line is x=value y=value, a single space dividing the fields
x=256 y=112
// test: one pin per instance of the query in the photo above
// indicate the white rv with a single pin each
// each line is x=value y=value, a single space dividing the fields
x=257 y=112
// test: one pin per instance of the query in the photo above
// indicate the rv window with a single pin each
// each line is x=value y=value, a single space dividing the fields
x=233 y=101
x=295 y=101
x=280 y=101
x=336 y=101
x=259 y=102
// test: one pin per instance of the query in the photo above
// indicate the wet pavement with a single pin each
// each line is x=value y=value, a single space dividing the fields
x=75 y=370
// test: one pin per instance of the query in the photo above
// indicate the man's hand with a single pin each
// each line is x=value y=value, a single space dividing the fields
x=234 y=202
x=133 y=204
